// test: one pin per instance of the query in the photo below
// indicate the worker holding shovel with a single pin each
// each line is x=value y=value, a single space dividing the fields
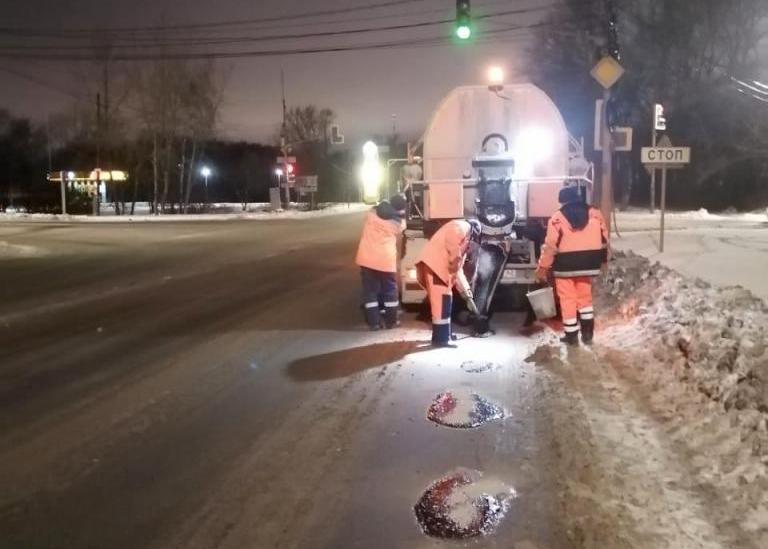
x=440 y=269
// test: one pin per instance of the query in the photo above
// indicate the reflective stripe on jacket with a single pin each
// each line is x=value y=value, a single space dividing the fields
x=445 y=252
x=573 y=253
x=378 y=243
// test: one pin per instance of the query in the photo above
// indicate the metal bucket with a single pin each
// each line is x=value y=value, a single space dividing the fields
x=543 y=303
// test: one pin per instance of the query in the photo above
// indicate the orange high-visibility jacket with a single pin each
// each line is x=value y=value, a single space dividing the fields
x=378 y=243
x=574 y=253
x=445 y=252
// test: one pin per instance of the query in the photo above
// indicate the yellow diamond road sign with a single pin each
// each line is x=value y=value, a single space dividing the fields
x=607 y=72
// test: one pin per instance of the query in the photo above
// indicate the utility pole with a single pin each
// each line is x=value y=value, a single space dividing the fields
x=283 y=144
x=614 y=54
x=95 y=198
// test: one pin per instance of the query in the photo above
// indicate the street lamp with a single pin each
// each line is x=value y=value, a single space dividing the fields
x=205 y=171
x=495 y=78
x=370 y=173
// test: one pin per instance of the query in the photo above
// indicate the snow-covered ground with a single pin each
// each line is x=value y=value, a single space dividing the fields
x=665 y=419
x=726 y=250
x=219 y=212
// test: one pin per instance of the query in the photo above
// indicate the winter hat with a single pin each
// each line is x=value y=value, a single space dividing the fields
x=476 y=229
x=398 y=203
x=569 y=194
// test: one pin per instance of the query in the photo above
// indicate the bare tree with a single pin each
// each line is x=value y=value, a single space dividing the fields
x=179 y=105
x=682 y=54
x=307 y=124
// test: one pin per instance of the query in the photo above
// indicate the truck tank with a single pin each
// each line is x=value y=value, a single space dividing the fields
x=500 y=156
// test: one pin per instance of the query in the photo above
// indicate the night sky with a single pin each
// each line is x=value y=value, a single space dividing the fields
x=365 y=88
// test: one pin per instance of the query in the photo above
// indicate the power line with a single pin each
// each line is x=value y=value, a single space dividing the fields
x=245 y=54
x=228 y=23
x=267 y=38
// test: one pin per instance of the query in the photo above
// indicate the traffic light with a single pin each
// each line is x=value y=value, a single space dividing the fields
x=290 y=172
x=463 y=20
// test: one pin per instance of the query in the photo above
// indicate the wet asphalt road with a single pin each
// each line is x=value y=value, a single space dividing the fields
x=209 y=385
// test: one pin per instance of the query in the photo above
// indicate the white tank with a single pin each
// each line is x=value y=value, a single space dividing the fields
x=532 y=125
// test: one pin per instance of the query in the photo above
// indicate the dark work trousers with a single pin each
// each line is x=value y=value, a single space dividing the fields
x=379 y=288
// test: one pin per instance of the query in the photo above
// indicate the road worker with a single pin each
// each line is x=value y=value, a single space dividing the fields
x=440 y=269
x=377 y=258
x=575 y=249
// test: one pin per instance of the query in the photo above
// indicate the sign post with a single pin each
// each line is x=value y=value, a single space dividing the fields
x=63 y=193
x=607 y=72
x=307 y=185
x=659 y=125
x=665 y=157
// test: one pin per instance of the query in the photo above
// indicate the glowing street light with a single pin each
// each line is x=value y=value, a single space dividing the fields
x=206 y=172
x=371 y=172
x=495 y=78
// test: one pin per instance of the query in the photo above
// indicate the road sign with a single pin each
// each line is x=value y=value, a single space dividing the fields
x=306 y=184
x=666 y=157
x=337 y=138
x=607 y=72
x=659 y=121
x=621 y=136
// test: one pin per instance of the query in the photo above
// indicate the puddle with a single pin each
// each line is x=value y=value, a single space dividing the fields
x=463 y=505
x=463 y=409
x=478 y=366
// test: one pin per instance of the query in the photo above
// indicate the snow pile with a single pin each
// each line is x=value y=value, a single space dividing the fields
x=719 y=332
x=698 y=358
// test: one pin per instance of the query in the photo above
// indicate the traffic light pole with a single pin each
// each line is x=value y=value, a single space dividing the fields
x=606 y=187
x=284 y=151
x=653 y=176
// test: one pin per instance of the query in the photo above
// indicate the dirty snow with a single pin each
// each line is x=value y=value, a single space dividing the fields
x=224 y=212
x=665 y=421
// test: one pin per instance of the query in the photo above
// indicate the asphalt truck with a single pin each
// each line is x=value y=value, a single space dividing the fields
x=499 y=154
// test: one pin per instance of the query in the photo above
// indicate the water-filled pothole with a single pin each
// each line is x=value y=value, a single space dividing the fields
x=478 y=366
x=463 y=409
x=462 y=505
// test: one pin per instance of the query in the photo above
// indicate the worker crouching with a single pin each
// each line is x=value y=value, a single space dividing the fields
x=574 y=251
x=377 y=258
x=440 y=269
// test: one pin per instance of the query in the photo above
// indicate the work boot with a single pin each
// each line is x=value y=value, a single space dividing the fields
x=392 y=317
x=444 y=345
x=482 y=327
x=588 y=331
x=570 y=338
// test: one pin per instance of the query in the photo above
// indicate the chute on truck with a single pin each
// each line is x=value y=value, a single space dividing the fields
x=499 y=155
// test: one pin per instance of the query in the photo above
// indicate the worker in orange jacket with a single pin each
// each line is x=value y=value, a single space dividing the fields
x=377 y=259
x=574 y=251
x=440 y=269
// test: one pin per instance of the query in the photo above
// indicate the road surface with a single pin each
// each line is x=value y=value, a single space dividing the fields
x=210 y=385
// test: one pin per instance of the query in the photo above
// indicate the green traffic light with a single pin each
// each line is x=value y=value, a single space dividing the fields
x=463 y=32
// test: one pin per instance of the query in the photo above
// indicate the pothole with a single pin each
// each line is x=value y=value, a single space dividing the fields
x=463 y=505
x=463 y=409
x=478 y=366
